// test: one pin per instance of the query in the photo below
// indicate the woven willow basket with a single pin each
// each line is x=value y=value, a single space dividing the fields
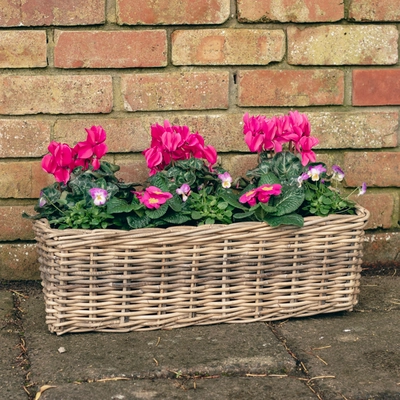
x=145 y=279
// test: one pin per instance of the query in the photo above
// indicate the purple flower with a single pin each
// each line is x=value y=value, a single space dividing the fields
x=226 y=180
x=42 y=200
x=338 y=173
x=184 y=191
x=99 y=196
x=301 y=178
x=362 y=189
x=315 y=172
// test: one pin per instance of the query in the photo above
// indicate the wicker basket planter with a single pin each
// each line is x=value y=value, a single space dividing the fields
x=145 y=279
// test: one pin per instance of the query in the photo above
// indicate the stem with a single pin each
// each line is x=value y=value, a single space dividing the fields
x=50 y=202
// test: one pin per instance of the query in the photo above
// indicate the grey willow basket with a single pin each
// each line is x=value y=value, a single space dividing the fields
x=146 y=279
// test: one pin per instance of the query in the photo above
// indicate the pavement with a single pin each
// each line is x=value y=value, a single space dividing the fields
x=348 y=355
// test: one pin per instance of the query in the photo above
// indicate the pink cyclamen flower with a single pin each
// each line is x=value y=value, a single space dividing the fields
x=92 y=149
x=226 y=180
x=58 y=162
x=184 y=191
x=338 y=173
x=362 y=189
x=315 y=171
x=304 y=147
x=264 y=192
x=99 y=196
x=153 y=197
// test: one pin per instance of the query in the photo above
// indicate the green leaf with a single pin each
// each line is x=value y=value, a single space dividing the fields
x=232 y=199
x=267 y=208
x=136 y=222
x=115 y=206
x=157 y=213
x=289 y=219
x=287 y=166
x=176 y=219
x=269 y=178
x=223 y=205
x=290 y=199
x=196 y=215
x=244 y=215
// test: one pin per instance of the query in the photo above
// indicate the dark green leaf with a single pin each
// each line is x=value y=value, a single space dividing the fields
x=289 y=219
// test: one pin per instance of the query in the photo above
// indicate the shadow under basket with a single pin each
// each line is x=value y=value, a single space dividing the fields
x=147 y=279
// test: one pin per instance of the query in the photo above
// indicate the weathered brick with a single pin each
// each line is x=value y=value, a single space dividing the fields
x=381 y=247
x=290 y=87
x=64 y=94
x=372 y=10
x=238 y=165
x=223 y=131
x=289 y=10
x=176 y=91
x=23 y=49
x=13 y=226
x=54 y=12
x=376 y=87
x=362 y=130
x=172 y=12
x=19 y=262
x=227 y=46
x=23 y=138
x=376 y=169
x=341 y=45
x=22 y=179
x=110 y=49
x=381 y=206
x=133 y=169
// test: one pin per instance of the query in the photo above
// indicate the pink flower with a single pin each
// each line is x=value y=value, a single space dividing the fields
x=226 y=180
x=92 y=149
x=99 y=196
x=172 y=143
x=184 y=191
x=153 y=197
x=58 y=162
x=249 y=197
x=264 y=192
x=304 y=146
x=315 y=172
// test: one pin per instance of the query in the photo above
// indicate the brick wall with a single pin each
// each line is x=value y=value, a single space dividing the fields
x=68 y=64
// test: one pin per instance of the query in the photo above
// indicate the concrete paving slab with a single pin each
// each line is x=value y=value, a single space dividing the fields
x=353 y=355
x=11 y=374
x=216 y=389
x=215 y=349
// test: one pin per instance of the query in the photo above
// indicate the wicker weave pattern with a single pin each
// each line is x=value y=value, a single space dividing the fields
x=145 y=279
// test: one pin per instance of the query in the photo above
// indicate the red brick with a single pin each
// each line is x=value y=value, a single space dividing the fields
x=64 y=94
x=376 y=169
x=289 y=10
x=13 y=226
x=376 y=87
x=290 y=87
x=381 y=206
x=362 y=130
x=23 y=138
x=133 y=169
x=107 y=49
x=19 y=262
x=54 y=12
x=223 y=131
x=227 y=46
x=372 y=10
x=22 y=179
x=238 y=165
x=176 y=91
x=343 y=45
x=23 y=49
x=172 y=12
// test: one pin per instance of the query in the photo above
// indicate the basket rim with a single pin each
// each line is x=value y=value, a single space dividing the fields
x=362 y=214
